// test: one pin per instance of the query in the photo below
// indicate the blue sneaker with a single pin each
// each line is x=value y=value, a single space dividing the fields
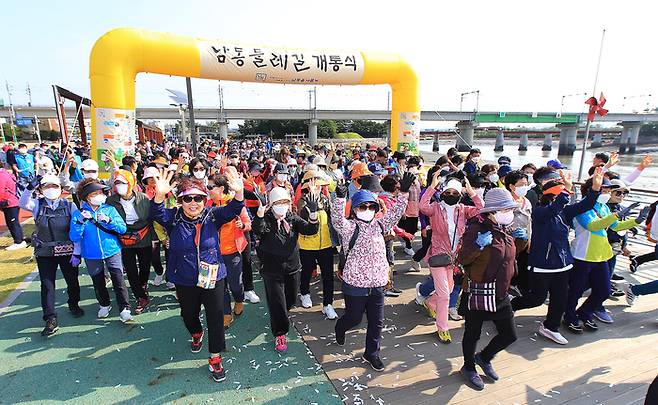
x=486 y=367
x=473 y=379
x=603 y=316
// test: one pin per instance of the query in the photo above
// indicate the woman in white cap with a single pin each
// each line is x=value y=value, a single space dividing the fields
x=447 y=218
x=487 y=254
x=278 y=229
x=52 y=247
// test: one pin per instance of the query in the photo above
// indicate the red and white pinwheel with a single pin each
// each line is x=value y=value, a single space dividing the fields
x=596 y=107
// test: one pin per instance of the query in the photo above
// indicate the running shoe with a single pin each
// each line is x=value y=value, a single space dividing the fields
x=431 y=312
x=630 y=297
x=486 y=367
x=420 y=298
x=306 y=300
x=633 y=264
x=444 y=336
x=603 y=316
x=197 y=342
x=329 y=312
x=51 y=326
x=142 y=304
x=104 y=312
x=216 y=369
x=375 y=362
x=591 y=325
x=554 y=336
x=574 y=327
x=280 y=344
x=125 y=315
x=251 y=297
x=453 y=315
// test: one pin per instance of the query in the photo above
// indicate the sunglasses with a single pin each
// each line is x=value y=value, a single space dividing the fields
x=369 y=207
x=453 y=193
x=620 y=192
x=210 y=187
x=196 y=198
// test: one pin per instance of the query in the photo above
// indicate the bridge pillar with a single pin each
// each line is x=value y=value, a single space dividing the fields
x=548 y=142
x=435 y=142
x=597 y=141
x=223 y=129
x=523 y=143
x=465 y=138
x=568 y=132
x=313 y=132
x=630 y=131
x=500 y=141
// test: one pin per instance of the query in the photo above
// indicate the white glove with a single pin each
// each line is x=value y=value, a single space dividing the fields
x=103 y=218
x=85 y=214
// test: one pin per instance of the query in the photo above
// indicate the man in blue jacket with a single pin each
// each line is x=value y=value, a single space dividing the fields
x=550 y=259
x=97 y=227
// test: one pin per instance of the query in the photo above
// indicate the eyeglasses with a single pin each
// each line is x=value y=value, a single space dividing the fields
x=196 y=198
x=620 y=192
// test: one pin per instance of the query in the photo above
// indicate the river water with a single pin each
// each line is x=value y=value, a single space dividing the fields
x=534 y=154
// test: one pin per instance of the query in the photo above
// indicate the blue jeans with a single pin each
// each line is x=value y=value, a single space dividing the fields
x=595 y=275
x=645 y=289
x=233 y=263
x=427 y=287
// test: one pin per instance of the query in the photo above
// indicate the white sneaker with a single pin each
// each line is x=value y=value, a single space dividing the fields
x=420 y=299
x=171 y=286
x=306 y=300
x=409 y=251
x=104 y=312
x=251 y=297
x=630 y=297
x=452 y=314
x=329 y=312
x=554 y=336
x=17 y=246
x=125 y=315
x=158 y=280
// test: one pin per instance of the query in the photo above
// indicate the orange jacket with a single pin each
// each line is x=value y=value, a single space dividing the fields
x=232 y=239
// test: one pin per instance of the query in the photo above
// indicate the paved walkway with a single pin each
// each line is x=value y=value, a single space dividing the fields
x=147 y=361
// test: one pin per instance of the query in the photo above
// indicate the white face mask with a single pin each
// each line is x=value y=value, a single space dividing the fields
x=504 y=218
x=173 y=168
x=475 y=159
x=603 y=198
x=122 y=189
x=91 y=175
x=52 y=193
x=521 y=191
x=480 y=192
x=366 y=216
x=22 y=151
x=280 y=210
x=98 y=199
x=494 y=178
x=200 y=175
x=282 y=177
x=159 y=166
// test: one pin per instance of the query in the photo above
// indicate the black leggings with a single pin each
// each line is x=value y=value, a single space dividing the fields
x=426 y=244
x=281 y=293
x=138 y=275
x=156 y=259
x=473 y=328
x=409 y=224
x=541 y=284
x=191 y=299
x=247 y=275
x=325 y=259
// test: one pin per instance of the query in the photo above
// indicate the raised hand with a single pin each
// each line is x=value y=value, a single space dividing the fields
x=567 y=179
x=623 y=213
x=235 y=182
x=163 y=184
x=341 y=189
x=643 y=215
x=468 y=187
x=614 y=159
x=597 y=179
x=646 y=162
x=436 y=178
x=406 y=182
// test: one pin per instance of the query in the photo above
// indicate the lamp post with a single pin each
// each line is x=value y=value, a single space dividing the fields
x=477 y=99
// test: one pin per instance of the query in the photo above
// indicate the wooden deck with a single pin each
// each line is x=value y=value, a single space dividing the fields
x=611 y=366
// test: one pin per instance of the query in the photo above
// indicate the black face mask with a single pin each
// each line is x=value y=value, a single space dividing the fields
x=451 y=199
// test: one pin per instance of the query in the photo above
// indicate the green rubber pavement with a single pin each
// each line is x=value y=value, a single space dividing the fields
x=147 y=361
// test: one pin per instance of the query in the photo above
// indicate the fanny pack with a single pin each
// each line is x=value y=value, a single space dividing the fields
x=132 y=238
x=482 y=296
x=440 y=260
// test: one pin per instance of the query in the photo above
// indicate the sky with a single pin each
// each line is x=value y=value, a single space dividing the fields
x=520 y=55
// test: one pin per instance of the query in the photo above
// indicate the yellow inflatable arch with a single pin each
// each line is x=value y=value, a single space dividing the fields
x=120 y=54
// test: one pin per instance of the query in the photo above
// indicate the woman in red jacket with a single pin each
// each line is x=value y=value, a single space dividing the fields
x=9 y=207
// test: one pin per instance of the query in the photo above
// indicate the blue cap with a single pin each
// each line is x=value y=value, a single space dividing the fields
x=362 y=197
x=555 y=163
x=376 y=168
x=503 y=170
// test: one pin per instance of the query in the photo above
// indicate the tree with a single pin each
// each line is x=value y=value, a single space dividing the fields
x=327 y=129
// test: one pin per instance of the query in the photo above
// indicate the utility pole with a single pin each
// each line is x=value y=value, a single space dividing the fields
x=36 y=127
x=11 y=105
x=190 y=106
x=29 y=95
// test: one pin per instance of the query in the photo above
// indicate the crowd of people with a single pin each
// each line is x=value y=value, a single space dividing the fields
x=496 y=237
